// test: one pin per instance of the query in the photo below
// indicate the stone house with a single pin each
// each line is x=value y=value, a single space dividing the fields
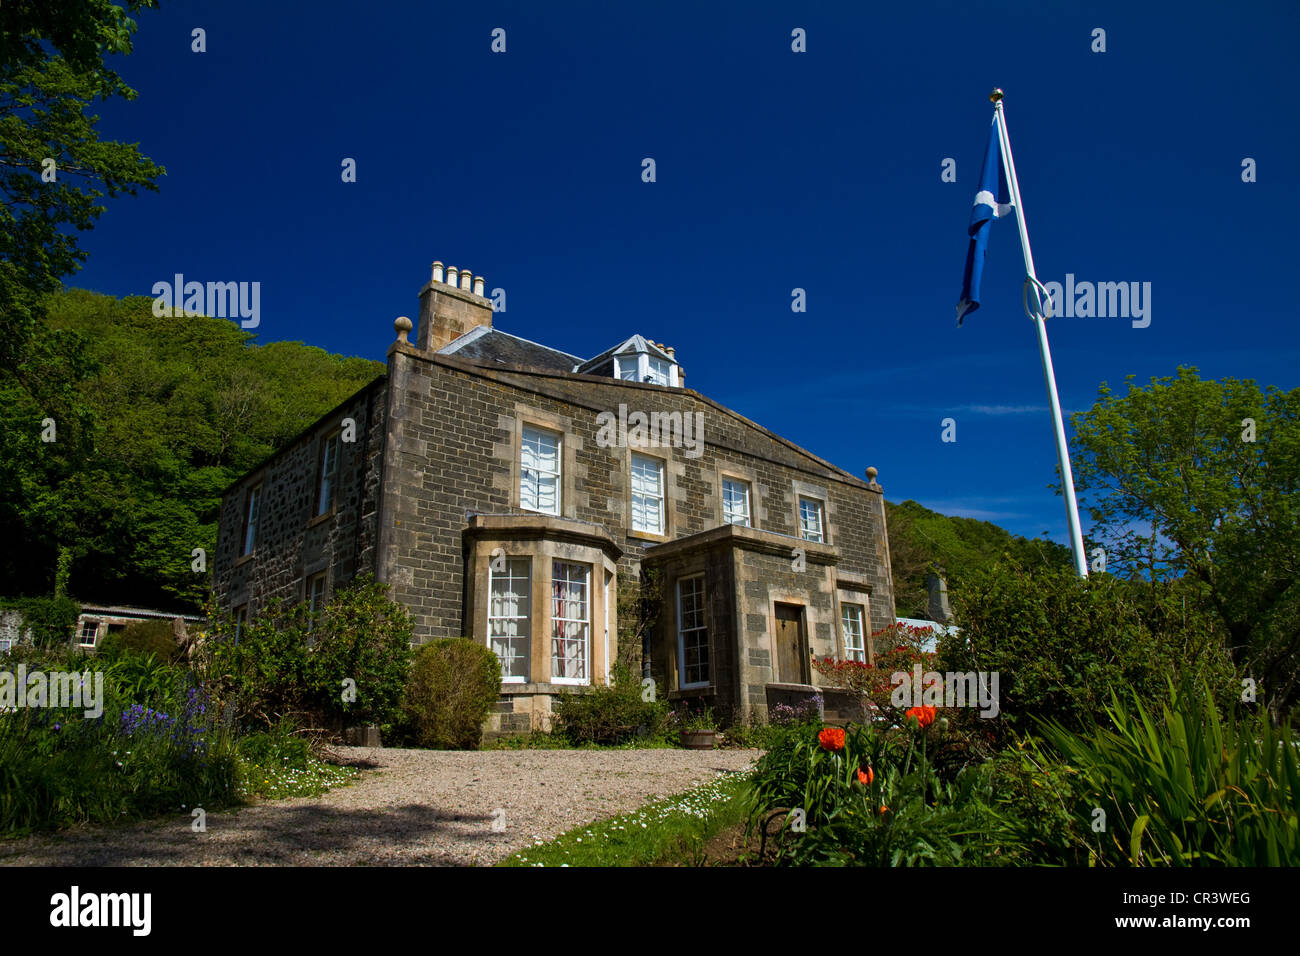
x=94 y=623
x=502 y=489
x=97 y=621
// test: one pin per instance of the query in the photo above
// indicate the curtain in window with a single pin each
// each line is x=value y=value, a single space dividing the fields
x=647 y=495
x=569 y=621
x=540 y=469
x=508 y=620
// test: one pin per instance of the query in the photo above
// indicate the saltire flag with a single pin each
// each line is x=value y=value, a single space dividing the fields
x=989 y=205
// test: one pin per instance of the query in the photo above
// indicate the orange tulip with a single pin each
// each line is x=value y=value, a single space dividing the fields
x=865 y=777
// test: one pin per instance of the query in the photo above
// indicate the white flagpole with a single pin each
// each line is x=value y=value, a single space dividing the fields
x=1062 y=448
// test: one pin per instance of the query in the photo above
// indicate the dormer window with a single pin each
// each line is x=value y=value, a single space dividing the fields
x=643 y=367
x=637 y=360
x=658 y=372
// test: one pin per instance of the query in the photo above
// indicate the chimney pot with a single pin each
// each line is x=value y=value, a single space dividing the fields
x=445 y=316
x=478 y=286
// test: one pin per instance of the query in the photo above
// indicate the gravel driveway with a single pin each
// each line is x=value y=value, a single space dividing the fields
x=418 y=807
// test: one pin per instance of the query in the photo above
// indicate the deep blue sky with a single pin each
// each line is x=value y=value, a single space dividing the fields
x=818 y=170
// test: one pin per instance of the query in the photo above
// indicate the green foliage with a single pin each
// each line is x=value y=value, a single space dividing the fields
x=1181 y=487
x=1042 y=802
x=640 y=602
x=154 y=749
x=667 y=832
x=143 y=678
x=52 y=621
x=453 y=684
x=1060 y=645
x=155 y=418
x=694 y=719
x=755 y=733
x=155 y=637
x=275 y=747
x=610 y=715
x=906 y=815
x=288 y=666
x=361 y=637
x=280 y=763
x=921 y=541
x=83 y=32
x=259 y=681
x=898 y=648
x=1184 y=787
x=51 y=70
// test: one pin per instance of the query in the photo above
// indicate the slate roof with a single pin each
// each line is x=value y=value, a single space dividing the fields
x=487 y=346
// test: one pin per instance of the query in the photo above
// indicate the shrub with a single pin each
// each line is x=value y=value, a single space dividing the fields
x=453 y=684
x=288 y=666
x=362 y=637
x=258 y=682
x=155 y=637
x=610 y=715
x=1061 y=645
x=901 y=646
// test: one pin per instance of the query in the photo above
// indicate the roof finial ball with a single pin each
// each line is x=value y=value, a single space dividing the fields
x=402 y=325
x=995 y=95
x=871 y=474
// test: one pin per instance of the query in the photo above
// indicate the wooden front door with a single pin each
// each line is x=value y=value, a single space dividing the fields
x=791 y=645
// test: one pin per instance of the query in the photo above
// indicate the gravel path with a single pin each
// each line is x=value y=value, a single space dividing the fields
x=418 y=807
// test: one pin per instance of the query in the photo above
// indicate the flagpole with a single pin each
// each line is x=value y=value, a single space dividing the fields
x=1062 y=448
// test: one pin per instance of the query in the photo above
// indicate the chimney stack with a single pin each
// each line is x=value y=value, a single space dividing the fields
x=939 y=609
x=450 y=307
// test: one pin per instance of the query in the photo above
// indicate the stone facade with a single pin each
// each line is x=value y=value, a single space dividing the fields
x=431 y=488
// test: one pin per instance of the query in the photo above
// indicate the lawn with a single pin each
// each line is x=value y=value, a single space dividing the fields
x=668 y=832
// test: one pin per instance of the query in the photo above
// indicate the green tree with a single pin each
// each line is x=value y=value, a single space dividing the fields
x=1200 y=479
x=54 y=167
x=154 y=419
